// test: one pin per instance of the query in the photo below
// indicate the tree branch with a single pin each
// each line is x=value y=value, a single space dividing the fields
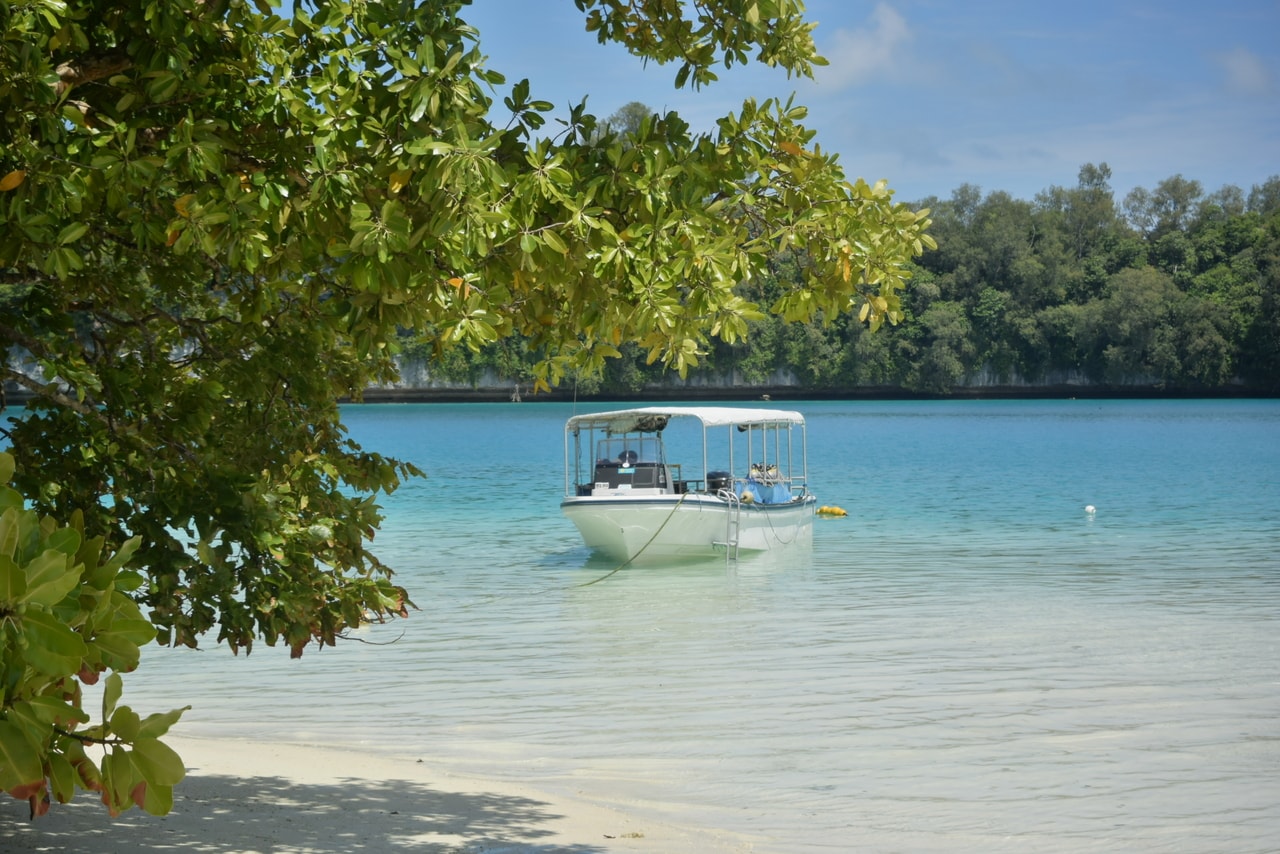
x=88 y=739
x=73 y=73
x=47 y=391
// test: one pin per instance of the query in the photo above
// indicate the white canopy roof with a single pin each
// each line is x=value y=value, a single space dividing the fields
x=627 y=420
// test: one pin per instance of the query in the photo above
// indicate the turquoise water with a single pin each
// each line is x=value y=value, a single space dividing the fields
x=969 y=661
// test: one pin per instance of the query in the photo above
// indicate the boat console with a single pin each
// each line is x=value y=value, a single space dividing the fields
x=614 y=475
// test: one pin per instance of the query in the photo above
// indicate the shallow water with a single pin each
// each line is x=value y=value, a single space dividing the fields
x=969 y=661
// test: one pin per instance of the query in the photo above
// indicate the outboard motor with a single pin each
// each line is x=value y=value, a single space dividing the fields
x=717 y=480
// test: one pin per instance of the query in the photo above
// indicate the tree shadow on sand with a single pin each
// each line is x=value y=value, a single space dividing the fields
x=271 y=814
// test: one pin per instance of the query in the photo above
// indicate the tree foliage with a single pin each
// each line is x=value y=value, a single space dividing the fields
x=215 y=222
x=1068 y=288
x=1175 y=292
x=66 y=617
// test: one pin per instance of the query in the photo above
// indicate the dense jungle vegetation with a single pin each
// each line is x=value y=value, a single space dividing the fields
x=1173 y=289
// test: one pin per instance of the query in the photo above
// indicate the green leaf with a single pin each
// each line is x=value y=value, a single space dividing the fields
x=158 y=799
x=163 y=86
x=13 y=581
x=62 y=262
x=553 y=240
x=20 y=763
x=125 y=723
x=134 y=630
x=65 y=540
x=58 y=712
x=10 y=499
x=63 y=777
x=10 y=531
x=120 y=642
x=71 y=233
x=119 y=777
x=157 y=724
x=111 y=691
x=50 y=577
x=128 y=581
x=122 y=556
x=89 y=554
x=158 y=762
x=27 y=718
x=52 y=647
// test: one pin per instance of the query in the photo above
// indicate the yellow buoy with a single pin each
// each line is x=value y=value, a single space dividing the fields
x=828 y=510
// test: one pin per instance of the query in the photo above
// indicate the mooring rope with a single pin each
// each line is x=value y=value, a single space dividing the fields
x=610 y=573
x=628 y=561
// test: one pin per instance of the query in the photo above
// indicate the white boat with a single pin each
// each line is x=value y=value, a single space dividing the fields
x=736 y=480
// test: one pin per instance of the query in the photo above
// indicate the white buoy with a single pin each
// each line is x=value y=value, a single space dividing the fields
x=1090 y=509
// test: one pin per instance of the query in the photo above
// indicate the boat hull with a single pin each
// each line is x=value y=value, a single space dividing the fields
x=686 y=527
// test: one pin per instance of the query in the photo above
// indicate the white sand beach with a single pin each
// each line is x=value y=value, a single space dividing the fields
x=287 y=799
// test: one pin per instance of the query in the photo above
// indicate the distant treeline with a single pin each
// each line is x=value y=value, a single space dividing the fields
x=1172 y=289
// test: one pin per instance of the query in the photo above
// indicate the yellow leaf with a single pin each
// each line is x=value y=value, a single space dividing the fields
x=182 y=203
x=399 y=178
x=456 y=282
x=12 y=180
x=862 y=315
x=791 y=148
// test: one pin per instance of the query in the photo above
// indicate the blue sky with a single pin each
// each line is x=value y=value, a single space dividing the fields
x=1010 y=95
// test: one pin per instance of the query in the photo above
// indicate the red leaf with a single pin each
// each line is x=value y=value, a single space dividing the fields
x=27 y=791
x=90 y=779
x=139 y=794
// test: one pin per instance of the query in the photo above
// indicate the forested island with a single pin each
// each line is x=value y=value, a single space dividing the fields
x=1169 y=291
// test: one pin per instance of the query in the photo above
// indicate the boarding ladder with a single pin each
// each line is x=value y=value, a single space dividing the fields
x=732 y=524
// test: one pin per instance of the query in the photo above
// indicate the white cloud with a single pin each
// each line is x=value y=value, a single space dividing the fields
x=1245 y=71
x=860 y=54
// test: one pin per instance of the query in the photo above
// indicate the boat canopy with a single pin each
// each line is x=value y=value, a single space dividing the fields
x=653 y=419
